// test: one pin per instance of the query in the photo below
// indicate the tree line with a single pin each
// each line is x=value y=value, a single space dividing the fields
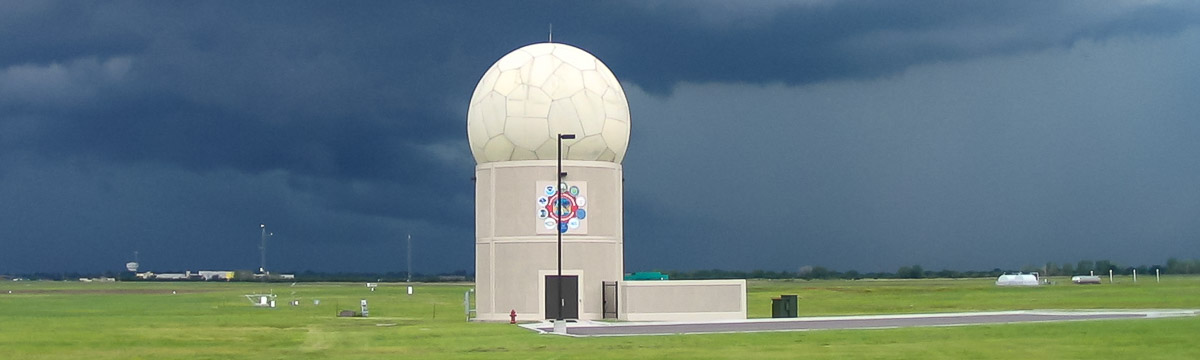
x=247 y=275
x=1082 y=267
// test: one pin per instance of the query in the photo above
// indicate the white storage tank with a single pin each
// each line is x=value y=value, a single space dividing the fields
x=1018 y=279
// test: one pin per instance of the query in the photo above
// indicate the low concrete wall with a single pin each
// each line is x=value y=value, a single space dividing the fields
x=682 y=300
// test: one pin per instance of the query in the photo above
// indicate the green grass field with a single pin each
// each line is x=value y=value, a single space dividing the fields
x=69 y=320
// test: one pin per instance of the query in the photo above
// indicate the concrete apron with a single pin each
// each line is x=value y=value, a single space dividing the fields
x=617 y=328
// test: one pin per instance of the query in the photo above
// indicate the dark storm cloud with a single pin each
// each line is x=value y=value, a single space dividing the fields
x=331 y=89
x=1008 y=161
x=246 y=84
x=53 y=31
x=350 y=104
x=660 y=44
x=326 y=92
x=339 y=123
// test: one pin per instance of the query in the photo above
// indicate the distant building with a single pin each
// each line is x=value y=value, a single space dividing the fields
x=261 y=276
x=205 y=275
x=170 y=276
x=548 y=125
x=216 y=275
x=100 y=279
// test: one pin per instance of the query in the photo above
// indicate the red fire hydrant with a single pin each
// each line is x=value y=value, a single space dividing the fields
x=512 y=316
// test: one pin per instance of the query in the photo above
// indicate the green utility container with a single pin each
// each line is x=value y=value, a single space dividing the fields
x=647 y=275
x=792 y=304
x=785 y=306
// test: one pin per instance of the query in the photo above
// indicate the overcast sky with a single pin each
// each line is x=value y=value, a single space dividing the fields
x=861 y=135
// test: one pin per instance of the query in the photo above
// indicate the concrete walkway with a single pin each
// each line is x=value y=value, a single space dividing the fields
x=598 y=328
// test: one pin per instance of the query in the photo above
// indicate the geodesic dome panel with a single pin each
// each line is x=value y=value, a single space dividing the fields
x=536 y=92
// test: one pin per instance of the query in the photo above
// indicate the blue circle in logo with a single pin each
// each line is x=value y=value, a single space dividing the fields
x=581 y=214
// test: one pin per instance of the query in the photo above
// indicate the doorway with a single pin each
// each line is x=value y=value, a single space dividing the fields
x=610 y=300
x=570 y=297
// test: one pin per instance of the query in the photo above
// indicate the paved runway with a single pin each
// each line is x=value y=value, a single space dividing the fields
x=587 y=328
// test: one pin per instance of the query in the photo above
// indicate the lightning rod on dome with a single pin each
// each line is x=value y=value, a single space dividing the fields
x=551 y=33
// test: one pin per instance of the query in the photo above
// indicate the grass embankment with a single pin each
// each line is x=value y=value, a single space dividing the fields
x=66 y=320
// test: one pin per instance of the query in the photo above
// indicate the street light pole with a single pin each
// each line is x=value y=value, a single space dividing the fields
x=558 y=217
x=262 y=250
x=408 y=277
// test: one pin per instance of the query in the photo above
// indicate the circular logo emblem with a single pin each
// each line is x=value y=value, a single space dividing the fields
x=562 y=204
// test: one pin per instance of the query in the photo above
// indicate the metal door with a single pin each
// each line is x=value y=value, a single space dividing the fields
x=570 y=297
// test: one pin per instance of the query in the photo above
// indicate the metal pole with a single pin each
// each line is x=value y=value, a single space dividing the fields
x=558 y=219
x=262 y=250
x=558 y=229
x=409 y=278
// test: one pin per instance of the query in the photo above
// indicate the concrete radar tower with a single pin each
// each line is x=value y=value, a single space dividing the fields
x=532 y=105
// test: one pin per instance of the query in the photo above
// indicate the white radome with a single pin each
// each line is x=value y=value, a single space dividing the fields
x=536 y=92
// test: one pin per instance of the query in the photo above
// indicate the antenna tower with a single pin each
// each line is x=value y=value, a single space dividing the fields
x=409 y=278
